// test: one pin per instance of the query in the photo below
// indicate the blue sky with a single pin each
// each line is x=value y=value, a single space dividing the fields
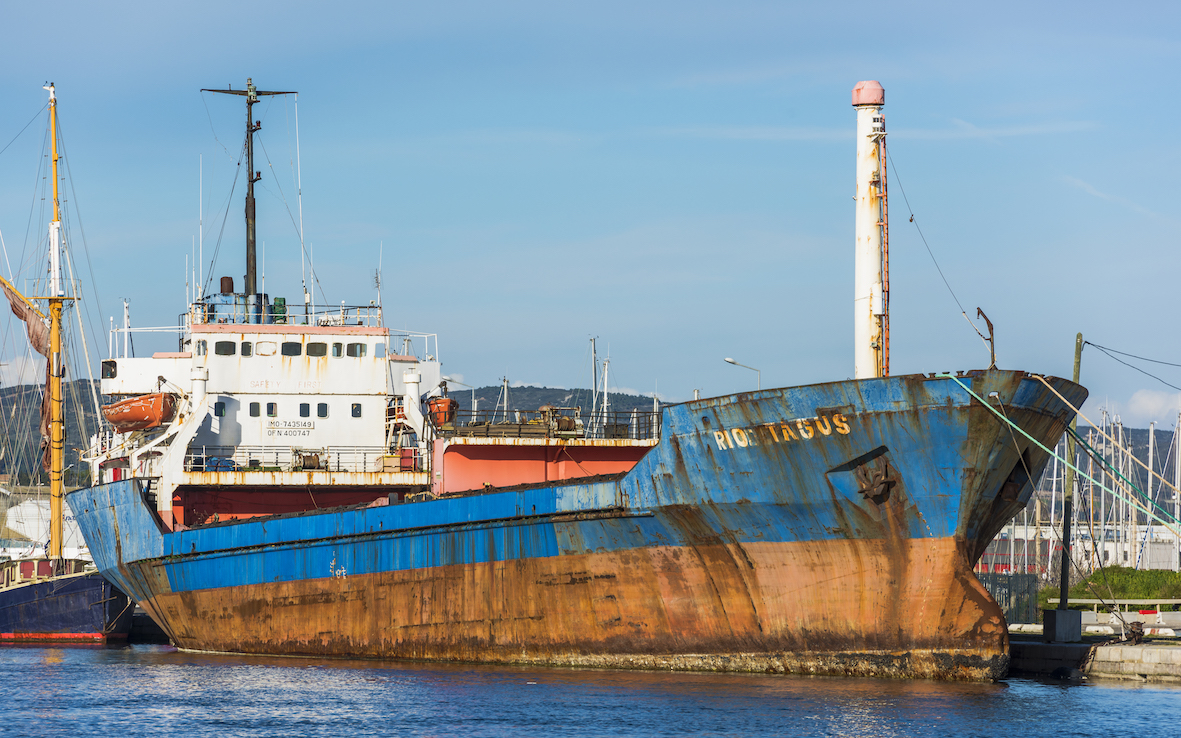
x=674 y=178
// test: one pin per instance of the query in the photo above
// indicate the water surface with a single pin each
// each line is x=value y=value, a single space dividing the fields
x=155 y=690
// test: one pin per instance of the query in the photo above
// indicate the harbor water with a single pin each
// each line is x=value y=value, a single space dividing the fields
x=144 y=690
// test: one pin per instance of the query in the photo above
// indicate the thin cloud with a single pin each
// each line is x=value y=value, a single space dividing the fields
x=1137 y=411
x=758 y=133
x=965 y=130
x=1093 y=192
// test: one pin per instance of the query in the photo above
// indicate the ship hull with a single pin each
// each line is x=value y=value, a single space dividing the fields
x=827 y=529
x=73 y=608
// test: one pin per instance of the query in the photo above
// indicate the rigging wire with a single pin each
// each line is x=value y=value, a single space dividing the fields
x=224 y=219
x=1134 y=356
x=1133 y=366
x=94 y=283
x=209 y=116
x=898 y=180
x=1054 y=531
x=18 y=135
x=283 y=197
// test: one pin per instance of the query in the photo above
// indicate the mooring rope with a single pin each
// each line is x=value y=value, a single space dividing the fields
x=1173 y=528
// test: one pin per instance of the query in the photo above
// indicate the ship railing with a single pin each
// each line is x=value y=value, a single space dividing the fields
x=300 y=458
x=236 y=309
x=568 y=423
x=403 y=342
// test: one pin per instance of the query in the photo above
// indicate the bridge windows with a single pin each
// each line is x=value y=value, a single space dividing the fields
x=202 y=348
x=292 y=348
x=247 y=348
x=357 y=350
x=225 y=348
x=338 y=350
x=317 y=349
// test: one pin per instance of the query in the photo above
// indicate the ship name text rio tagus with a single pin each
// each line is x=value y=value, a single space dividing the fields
x=792 y=430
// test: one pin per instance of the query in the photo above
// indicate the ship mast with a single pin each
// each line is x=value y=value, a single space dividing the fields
x=57 y=425
x=251 y=93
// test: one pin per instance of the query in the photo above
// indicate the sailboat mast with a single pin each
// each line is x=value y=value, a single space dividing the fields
x=57 y=429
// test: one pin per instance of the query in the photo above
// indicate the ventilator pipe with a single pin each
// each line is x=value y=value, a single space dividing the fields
x=412 y=401
x=199 y=377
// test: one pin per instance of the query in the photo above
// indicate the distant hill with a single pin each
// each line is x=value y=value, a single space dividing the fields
x=20 y=436
x=531 y=398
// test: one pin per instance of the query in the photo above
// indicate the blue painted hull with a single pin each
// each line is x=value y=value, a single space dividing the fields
x=74 y=608
x=825 y=529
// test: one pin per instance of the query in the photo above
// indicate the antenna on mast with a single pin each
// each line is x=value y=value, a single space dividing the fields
x=251 y=93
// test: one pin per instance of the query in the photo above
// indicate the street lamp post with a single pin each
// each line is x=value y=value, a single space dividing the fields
x=728 y=360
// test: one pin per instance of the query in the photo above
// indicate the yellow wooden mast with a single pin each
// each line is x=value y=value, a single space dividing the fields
x=57 y=429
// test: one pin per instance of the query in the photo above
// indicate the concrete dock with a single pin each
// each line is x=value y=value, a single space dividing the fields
x=1155 y=660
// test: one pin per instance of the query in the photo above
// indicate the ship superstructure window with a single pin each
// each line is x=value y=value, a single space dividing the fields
x=247 y=348
x=292 y=348
x=110 y=369
x=322 y=410
x=272 y=409
x=356 y=409
x=317 y=349
x=225 y=348
x=219 y=409
x=357 y=349
x=255 y=410
x=266 y=348
x=201 y=348
x=305 y=410
x=338 y=350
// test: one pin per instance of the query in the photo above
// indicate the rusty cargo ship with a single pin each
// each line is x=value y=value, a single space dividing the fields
x=316 y=491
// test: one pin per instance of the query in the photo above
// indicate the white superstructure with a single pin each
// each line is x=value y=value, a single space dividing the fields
x=315 y=401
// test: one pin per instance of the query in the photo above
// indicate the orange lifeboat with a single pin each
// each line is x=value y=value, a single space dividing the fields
x=141 y=413
x=442 y=410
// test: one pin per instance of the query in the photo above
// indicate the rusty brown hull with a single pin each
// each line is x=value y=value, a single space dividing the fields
x=823 y=529
x=827 y=608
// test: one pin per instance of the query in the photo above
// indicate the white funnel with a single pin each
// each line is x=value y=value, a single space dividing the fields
x=870 y=288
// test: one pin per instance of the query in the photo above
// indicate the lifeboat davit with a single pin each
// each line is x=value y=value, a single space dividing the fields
x=141 y=413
